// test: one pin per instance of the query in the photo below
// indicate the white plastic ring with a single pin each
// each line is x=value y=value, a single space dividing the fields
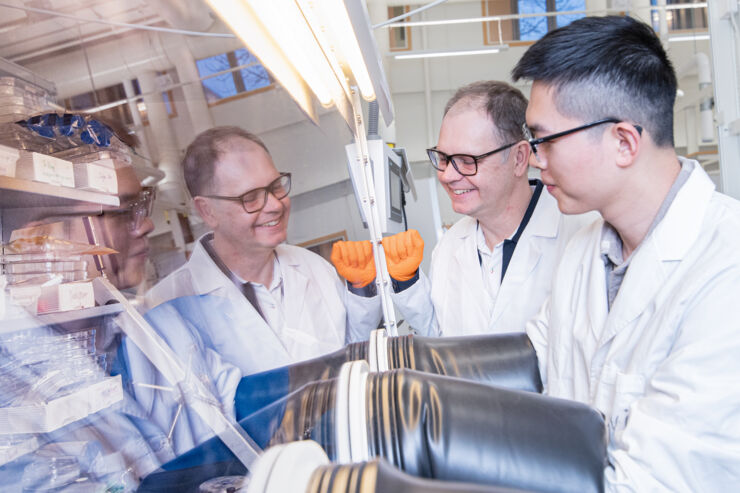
x=287 y=467
x=382 y=351
x=350 y=419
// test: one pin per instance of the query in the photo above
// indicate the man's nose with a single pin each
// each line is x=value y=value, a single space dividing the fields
x=144 y=226
x=449 y=175
x=272 y=203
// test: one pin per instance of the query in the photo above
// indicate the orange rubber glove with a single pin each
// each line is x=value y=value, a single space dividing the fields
x=403 y=254
x=354 y=261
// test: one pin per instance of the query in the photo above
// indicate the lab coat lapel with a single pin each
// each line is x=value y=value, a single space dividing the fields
x=542 y=228
x=652 y=263
x=249 y=328
x=295 y=287
x=205 y=274
x=472 y=298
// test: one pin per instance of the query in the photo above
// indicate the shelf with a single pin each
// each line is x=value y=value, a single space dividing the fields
x=18 y=193
x=68 y=319
x=45 y=417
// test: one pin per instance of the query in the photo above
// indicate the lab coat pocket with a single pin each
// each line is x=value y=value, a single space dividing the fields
x=627 y=389
x=303 y=345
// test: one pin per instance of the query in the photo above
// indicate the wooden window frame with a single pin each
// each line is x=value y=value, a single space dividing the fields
x=407 y=30
x=238 y=81
x=489 y=39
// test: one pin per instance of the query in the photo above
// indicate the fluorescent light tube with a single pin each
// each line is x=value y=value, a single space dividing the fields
x=688 y=37
x=243 y=22
x=439 y=54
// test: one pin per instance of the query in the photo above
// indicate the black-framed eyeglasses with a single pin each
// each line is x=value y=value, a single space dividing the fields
x=255 y=200
x=135 y=211
x=533 y=143
x=465 y=164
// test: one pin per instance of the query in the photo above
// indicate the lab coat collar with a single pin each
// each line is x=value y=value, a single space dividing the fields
x=680 y=227
x=669 y=242
x=546 y=217
x=544 y=222
x=206 y=275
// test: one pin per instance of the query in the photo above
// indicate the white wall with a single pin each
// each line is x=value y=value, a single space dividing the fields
x=315 y=154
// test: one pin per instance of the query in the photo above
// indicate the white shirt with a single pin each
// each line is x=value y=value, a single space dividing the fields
x=491 y=264
x=270 y=300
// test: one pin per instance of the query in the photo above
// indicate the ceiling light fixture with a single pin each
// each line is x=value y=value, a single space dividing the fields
x=312 y=47
x=688 y=37
x=448 y=53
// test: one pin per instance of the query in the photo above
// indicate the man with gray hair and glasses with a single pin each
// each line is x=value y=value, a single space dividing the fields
x=491 y=271
x=639 y=323
x=270 y=304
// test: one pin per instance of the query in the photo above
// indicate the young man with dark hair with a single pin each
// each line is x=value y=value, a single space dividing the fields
x=279 y=303
x=638 y=323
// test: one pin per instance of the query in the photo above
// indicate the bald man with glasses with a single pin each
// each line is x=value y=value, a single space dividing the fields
x=492 y=270
x=259 y=302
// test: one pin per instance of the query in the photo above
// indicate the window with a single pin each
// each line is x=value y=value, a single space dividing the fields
x=527 y=28
x=400 y=37
x=251 y=77
x=685 y=19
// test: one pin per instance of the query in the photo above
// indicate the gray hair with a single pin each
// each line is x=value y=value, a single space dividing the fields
x=504 y=104
x=203 y=153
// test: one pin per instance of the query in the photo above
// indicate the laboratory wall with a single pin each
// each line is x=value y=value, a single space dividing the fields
x=315 y=153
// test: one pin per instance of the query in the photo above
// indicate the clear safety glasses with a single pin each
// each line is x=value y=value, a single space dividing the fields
x=134 y=213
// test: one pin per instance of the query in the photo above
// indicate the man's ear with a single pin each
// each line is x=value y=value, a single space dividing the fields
x=205 y=210
x=521 y=158
x=628 y=141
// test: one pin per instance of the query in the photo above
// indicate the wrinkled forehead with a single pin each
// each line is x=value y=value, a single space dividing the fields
x=243 y=160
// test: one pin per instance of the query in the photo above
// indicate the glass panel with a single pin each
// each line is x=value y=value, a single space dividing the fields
x=221 y=86
x=567 y=6
x=532 y=28
x=256 y=76
x=508 y=27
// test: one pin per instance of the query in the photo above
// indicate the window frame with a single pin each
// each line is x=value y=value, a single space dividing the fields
x=406 y=29
x=238 y=79
x=490 y=28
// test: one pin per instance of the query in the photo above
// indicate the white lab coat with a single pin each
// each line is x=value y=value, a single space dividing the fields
x=321 y=315
x=455 y=302
x=662 y=365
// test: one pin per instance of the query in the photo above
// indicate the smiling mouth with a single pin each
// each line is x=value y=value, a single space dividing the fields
x=462 y=192
x=270 y=224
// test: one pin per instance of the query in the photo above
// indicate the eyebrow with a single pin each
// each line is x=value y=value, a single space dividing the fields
x=535 y=128
x=128 y=197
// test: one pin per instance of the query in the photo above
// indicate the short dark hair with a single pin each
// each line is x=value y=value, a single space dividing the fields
x=504 y=104
x=601 y=67
x=203 y=153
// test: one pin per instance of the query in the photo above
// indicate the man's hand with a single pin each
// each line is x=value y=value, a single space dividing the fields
x=403 y=254
x=354 y=261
